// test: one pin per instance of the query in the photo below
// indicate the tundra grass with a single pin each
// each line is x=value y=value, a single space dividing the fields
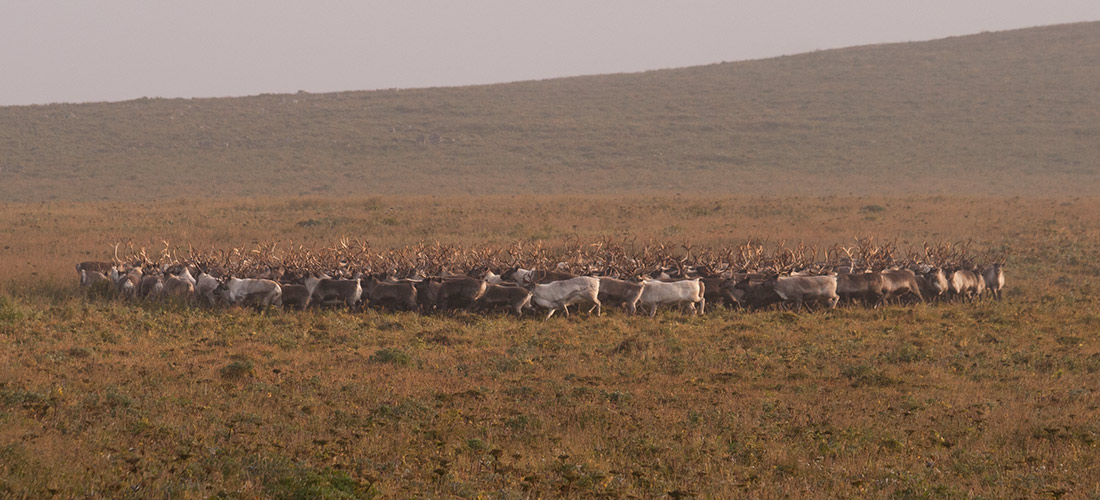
x=995 y=114
x=932 y=142
x=993 y=400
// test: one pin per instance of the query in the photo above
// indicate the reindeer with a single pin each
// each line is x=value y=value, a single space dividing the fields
x=178 y=288
x=511 y=296
x=295 y=296
x=966 y=284
x=92 y=278
x=330 y=292
x=689 y=292
x=260 y=292
x=563 y=293
x=803 y=289
x=994 y=278
x=899 y=283
x=627 y=293
x=398 y=295
x=90 y=268
x=460 y=292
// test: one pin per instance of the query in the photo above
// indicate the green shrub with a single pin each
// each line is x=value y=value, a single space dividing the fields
x=236 y=369
x=391 y=355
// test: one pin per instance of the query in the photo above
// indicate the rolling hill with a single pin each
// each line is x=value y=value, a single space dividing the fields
x=1013 y=113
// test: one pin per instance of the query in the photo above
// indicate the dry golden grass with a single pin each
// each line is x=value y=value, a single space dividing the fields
x=950 y=401
x=995 y=400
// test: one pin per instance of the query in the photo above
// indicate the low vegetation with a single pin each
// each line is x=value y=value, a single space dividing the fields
x=994 y=114
x=996 y=400
x=986 y=141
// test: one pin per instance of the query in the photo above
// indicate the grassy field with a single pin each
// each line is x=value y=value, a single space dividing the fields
x=995 y=114
x=994 y=400
x=988 y=139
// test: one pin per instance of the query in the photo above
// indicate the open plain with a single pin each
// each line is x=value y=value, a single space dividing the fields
x=989 y=139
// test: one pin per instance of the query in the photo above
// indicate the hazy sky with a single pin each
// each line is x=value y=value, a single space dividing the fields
x=109 y=50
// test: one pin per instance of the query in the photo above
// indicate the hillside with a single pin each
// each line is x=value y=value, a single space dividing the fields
x=995 y=114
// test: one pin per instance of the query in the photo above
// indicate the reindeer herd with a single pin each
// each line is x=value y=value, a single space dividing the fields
x=528 y=276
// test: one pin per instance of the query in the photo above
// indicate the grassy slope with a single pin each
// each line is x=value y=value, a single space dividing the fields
x=994 y=400
x=1008 y=113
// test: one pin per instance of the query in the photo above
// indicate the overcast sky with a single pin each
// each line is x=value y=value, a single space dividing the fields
x=110 y=50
